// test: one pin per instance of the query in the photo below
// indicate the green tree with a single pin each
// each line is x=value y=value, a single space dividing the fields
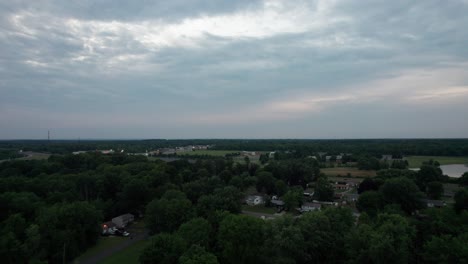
x=403 y=192
x=284 y=242
x=241 y=238
x=370 y=202
x=317 y=232
x=463 y=180
x=196 y=232
x=225 y=176
x=435 y=190
x=392 y=240
x=227 y=199
x=280 y=187
x=265 y=182
x=323 y=190
x=446 y=249
x=263 y=158
x=169 y=212
x=461 y=200
x=135 y=195
x=164 y=249
x=426 y=174
x=293 y=198
x=388 y=240
x=198 y=255
x=69 y=228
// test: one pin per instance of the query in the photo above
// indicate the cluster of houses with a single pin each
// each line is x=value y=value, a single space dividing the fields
x=104 y=151
x=275 y=201
x=171 y=151
x=161 y=151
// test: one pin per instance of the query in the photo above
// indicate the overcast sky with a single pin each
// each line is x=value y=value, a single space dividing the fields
x=233 y=69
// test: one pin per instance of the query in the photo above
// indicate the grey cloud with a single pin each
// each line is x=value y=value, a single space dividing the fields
x=365 y=41
x=109 y=10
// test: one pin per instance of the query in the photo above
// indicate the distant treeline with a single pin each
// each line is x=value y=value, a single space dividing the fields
x=302 y=147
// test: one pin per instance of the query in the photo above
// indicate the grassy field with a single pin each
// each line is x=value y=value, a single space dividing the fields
x=129 y=255
x=354 y=172
x=259 y=209
x=102 y=244
x=416 y=161
x=36 y=156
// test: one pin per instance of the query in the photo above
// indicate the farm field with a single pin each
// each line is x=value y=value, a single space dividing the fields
x=416 y=161
x=353 y=172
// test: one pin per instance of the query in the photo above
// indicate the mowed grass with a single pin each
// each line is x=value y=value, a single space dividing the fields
x=35 y=156
x=353 y=172
x=102 y=244
x=416 y=161
x=129 y=255
x=258 y=209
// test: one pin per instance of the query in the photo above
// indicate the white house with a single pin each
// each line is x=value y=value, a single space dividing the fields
x=254 y=200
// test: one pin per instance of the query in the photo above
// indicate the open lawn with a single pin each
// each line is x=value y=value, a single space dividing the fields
x=129 y=255
x=259 y=209
x=353 y=172
x=35 y=156
x=102 y=244
x=416 y=161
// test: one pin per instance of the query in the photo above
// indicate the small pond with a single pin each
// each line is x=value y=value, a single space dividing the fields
x=452 y=170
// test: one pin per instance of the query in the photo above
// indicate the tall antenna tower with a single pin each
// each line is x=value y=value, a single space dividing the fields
x=48 y=135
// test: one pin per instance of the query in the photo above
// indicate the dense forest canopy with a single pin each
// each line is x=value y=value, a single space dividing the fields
x=442 y=147
x=52 y=210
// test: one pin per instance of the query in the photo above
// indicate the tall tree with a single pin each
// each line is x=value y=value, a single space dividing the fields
x=164 y=249
x=323 y=190
x=403 y=192
x=169 y=212
x=241 y=238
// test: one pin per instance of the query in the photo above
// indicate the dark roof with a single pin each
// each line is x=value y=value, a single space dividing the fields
x=277 y=202
x=315 y=205
x=434 y=202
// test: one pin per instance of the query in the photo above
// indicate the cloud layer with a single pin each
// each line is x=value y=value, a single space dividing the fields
x=243 y=69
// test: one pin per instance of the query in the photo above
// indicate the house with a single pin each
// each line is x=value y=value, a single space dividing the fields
x=110 y=151
x=341 y=186
x=123 y=220
x=254 y=200
x=434 y=203
x=308 y=207
x=387 y=157
x=347 y=182
x=271 y=155
x=277 y=203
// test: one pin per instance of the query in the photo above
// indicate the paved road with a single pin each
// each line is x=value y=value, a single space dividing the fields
x=138 y=235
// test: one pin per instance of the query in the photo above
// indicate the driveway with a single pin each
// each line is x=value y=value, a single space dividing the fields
x=138 y=234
